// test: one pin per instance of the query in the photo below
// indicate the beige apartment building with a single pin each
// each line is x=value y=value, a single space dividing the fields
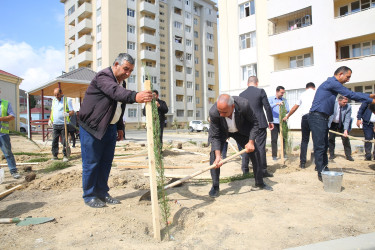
x=174 y=44
x=293 y=42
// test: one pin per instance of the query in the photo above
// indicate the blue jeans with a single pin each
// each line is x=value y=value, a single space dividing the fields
x=319 y=128
x=97 y=157
x=305 y=129
x=6 y=147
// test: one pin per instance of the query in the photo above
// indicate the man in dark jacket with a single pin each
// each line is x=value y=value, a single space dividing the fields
x=162 y=110
x=233 y=117
x=365 y=117
x=258 y=100
x=101 y=123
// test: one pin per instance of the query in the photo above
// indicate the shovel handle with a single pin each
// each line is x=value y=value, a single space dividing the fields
x=352 y=137
x=204 y=170
x=9 y=220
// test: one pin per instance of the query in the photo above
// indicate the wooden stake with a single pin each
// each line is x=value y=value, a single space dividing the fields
x=152 y=168
x=281 y=138
x=170 y=167
x=129 y=156
x=21 y=163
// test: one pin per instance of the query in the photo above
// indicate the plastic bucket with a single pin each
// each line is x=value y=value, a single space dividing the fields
x=332 y=181
x=1 y=175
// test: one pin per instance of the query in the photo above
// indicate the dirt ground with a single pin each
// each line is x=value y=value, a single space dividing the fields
x=297 y=212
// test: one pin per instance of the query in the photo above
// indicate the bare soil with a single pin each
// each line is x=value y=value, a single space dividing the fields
x=297 y=212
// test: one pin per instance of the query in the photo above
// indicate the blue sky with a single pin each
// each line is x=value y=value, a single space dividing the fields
x=32 y=40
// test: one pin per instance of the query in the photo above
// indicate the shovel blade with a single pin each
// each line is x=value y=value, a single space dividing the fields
x=34 y=221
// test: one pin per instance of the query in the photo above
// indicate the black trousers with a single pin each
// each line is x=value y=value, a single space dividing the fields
x=254 y=157
x=261 y=143
x=369 y=135
x=305 y=129
x=332 y=138
x=274 y=136
x=58 y=130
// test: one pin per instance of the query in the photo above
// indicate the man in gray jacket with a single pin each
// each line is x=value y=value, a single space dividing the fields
x=340 y=122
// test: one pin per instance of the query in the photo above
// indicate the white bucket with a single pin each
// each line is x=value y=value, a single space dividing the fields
x=332 y=181
x=1 y=175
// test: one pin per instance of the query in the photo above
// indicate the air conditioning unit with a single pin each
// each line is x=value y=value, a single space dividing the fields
x=181 y=58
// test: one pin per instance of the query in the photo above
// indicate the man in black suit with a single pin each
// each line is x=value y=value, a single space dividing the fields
x=233 y=117
x=258 y=99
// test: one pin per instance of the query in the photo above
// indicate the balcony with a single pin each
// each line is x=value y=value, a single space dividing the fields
x=149 y=39
x=148 y=7
x=289 y=76
x=149 y=23
x=84 y=57
x=85 y=26
x=84 y=11
x=146 y=54
x=72 y=33
x=84 y=42
x=178 y=75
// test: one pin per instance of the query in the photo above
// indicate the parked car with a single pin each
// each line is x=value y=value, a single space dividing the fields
x=198 y=125
x=24 y=128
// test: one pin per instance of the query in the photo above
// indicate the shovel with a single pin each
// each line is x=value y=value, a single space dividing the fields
x=147 y=195
x=67 y=147
x=26 y=221
x=351 y=137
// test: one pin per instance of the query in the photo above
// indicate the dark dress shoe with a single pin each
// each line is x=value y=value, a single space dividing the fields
x=320 y=177
x=302 y=165
x=110 y=200
x=214 y=192
x=95 y=203
x=331 y=157
x=267 y=174
x=349 y=158
x=261 y=187
x=368 y=159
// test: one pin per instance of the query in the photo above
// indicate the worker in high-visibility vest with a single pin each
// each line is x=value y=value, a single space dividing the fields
x=7 y=115
x=56 y=120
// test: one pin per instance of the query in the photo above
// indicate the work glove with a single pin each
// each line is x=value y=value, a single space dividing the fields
x=50 y=123
x=65 y=114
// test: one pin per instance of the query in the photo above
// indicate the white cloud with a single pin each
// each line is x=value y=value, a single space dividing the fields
x=35 y=65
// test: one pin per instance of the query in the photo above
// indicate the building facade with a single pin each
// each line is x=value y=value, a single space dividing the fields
x=293 y=42
x=174 y=44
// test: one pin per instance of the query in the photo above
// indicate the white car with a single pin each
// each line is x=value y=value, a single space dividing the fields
x=24 y=128
x=198 y=125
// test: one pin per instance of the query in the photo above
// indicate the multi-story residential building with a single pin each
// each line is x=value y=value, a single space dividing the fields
x=293 y=42
x=174 y=44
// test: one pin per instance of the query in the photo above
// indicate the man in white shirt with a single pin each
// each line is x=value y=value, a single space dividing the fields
x=304 y=102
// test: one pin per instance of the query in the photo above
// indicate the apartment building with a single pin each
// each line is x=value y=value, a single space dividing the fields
x=174 y=44
x=293 y=42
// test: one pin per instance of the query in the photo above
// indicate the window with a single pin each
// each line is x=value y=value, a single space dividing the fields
x=178 y=39
x=299 y=22
x=131 y=29
x=247 y=40
x=180 y=113
x=99 y=45
x=162 y=50
x=356 y=6
x=196 y=60
x=196 y=86
x=247 y=9
x=179 y=98
x=189 y=98
x=154 y=79
x=98 y=12
x=177 y=11
x=177 y=25
x=210 y=36
x=345 y=52
x=98 y=28
x=300 y=61
x=71 y=10
x=197 y=100
x=344 y=10
x=149 y=64
x=210 y=74
x=190 y=113
x=196 y=10
x=210 y=48
x=188 y=56
x=188 y=70
x=187 y=2
x=187 y=15
x=149 y=48
x=188 y=28
x=99 y=62
x=196 y=34
x=132 y=113
x=357 y=50
x=162 y=42
x=131 y=79
x=131 y=12
x=188 y=43
x=196 y=47
x=189 y=85
x=131 y=45
x=161 y=13
x=248 y=70
x=209 y=11
x=161 y=20
x=198 y=113
x=196 y=73
x=195 y=21
x=209 y=24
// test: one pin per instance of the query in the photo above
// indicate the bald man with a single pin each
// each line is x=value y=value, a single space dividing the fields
x=233 y=117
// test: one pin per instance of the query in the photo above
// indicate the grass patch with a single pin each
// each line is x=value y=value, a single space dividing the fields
x=31 y=154
x=38 y=160
x=236 y=178
x=123 y=154
x=296 y=148
x=57 y=165
x=192 y=142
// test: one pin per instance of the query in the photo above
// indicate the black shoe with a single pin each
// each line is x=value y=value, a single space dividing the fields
x=315 y=168
x=331 y=157
x=320 y=177
x=302 y=165
x=246 y=172
x=95 y=203
x=110 y=200
x=349 y=158
x=325 y=169
x=267 y=174
x=263 y=186
x=214 y=192
x=368 y=158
